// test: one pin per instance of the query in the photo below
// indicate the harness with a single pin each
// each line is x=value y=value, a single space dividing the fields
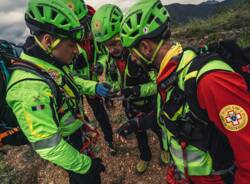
x=191 y=125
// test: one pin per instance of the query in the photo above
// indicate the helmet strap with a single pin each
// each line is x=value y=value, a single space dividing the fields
x=53 y=45
x=153 y=56
x=50 y=47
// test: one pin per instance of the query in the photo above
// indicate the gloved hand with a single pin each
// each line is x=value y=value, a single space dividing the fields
x=108 y=103
x=103 y=89
x=98 y=69
x=92 y=176
x=97 y=166
x=131 y=91
x=126 y=129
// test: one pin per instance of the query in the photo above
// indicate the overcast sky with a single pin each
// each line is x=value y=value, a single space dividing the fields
x=12 y=26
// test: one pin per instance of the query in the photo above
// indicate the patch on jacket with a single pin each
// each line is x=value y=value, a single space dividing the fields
x=233 y=117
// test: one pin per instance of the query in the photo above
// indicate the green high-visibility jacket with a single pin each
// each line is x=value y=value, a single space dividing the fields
x=146 y=81
x=35 y=107
x=199 y=162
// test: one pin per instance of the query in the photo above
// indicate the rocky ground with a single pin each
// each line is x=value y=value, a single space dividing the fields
x=21 y=165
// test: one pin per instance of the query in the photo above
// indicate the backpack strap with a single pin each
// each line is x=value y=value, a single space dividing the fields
x=191 y=83
x=36 y=70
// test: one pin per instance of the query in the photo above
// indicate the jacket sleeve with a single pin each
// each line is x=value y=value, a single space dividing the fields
x=31 y=102
x=87 y=87
x=102 y=59
x=225 y=97
x=150 y=88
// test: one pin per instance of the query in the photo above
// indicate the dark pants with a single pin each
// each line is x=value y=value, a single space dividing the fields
x=76 y=141
x=142 y=140
x=101 y=116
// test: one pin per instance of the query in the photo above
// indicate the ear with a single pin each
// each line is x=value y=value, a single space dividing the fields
x=47 y=40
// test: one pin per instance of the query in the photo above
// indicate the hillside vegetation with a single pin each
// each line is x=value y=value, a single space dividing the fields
x=232 y=23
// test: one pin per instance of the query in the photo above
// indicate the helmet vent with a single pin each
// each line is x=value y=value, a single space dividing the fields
x=129 y=23
x=113 y=27
x=159 y=6
x=151 y=18
x=123 y=32
x=113 y=20
x=159 y=22
x=135 y=33
x=105 y=32
x=64 y=22
x=53 y=14
x=40 y=9
x=139 y=15
x=31 y=14
x=115 y=13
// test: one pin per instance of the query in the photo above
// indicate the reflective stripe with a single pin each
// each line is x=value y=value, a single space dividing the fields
x=190 y=75
x=191 y=156
x=225 y=171
x=70 y=120
x=47 y=143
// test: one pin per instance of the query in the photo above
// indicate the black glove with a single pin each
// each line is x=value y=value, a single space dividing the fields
x=97 y=166
x=108 y=103
x=128 y=127
x=92 y=176
x=131 y=91
x=98 y=69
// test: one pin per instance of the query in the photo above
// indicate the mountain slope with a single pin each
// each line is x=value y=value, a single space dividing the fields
x=181 y=13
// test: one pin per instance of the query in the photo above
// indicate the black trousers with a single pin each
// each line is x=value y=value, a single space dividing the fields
x=76 y=141
x=142 y=141
x=141 y=136
x=101 y=116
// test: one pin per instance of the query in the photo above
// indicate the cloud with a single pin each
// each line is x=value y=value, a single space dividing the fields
x=12 y=25
x=124 y=4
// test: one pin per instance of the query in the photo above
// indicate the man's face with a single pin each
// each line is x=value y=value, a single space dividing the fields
x=65 y=51
x=145 y=48
x=114 y=46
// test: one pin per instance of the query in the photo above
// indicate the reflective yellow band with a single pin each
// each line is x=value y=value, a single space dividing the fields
x=190 y=75
x=47 y=143
x=140 y=55
x=51 y=47
x=39 y=43
x=154 y=54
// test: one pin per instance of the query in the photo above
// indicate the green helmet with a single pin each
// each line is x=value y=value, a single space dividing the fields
x=145 y=19
x=106 y=22
x=54 y=17
x=78 y=7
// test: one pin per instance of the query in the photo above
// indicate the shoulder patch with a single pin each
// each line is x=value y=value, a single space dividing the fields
x=55 y=75
x=233 y=117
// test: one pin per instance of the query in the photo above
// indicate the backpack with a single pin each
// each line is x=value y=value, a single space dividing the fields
x=227 y=51
x=10 y=132
x=195 y=127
